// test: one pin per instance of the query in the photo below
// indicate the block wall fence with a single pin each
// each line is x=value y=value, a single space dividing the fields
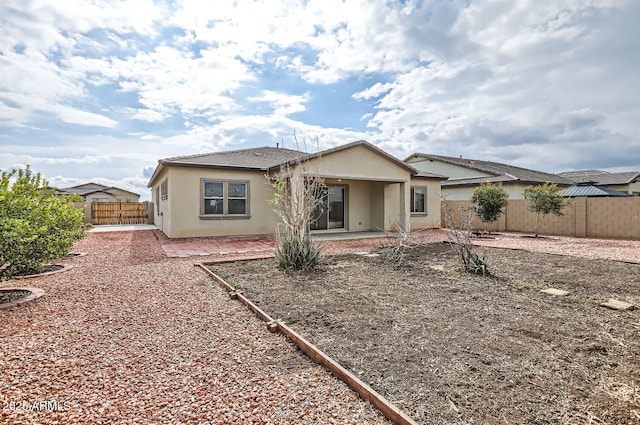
x=612 y=218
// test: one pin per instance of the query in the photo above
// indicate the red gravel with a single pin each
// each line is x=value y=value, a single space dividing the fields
x=130 y=336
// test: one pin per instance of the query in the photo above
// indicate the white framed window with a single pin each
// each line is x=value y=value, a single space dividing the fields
x=224 y=198
x=418 y=199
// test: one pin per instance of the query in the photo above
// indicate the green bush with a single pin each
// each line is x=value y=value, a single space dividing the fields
x=36 y=224
x=489 y=201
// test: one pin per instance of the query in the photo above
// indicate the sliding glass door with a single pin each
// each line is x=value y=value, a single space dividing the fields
x=330 y=213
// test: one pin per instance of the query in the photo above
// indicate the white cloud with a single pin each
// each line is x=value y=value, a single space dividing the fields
x=539 y=84
x=75 y=116
x=281 y=103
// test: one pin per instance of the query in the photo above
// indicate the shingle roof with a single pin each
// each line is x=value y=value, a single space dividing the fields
x=426 y=175
x=262 y=159
x=602 y=177
x=83 y=190
x=590 y=190
x=500 y=172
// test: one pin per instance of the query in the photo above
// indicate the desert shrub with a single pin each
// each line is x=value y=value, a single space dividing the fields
x=36 y=225
x=298 y=253
x=459 y=238
x=296 y=200
x=403 y=240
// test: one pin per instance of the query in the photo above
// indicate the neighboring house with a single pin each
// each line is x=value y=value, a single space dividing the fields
x=226 y=193
x=94 y=192
x=628 y=182
x=464 y=175
x=590 y=190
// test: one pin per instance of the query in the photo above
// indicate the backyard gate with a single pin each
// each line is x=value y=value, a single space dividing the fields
x=118 y=213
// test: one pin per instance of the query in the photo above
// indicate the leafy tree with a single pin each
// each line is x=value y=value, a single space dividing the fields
x=545 y=199
x=36 y=224
x=489 y=201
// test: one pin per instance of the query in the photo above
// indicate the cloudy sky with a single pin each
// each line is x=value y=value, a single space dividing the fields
x=99 y=90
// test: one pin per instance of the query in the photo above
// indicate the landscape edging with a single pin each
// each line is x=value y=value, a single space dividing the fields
x=35 y=294
x=390 y=411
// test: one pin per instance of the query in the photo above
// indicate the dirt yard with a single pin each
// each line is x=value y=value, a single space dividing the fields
x=460 y=349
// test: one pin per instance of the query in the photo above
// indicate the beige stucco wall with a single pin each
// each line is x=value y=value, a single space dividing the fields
x=431 y=219
x=631 y=188
x=359 y=163
x=464 y=193
x=162 y=208
x=586 y=217
x=181 y=211
x=115 y=195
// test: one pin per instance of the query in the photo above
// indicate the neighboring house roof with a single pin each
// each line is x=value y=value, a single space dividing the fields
x=589 y=189
x=262 y=159
x=426 y=175
x=90 y=188
x=502 y=173
x=602 y=177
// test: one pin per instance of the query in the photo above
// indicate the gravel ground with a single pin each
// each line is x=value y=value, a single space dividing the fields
x=130 y=336
x=609 y=249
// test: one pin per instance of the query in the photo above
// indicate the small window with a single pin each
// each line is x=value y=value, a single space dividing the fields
x=164 y=189
x=225 y=198
x=418 y=200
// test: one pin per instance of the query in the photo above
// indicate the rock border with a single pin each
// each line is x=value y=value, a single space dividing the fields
x=65 y=267
x=35 y=294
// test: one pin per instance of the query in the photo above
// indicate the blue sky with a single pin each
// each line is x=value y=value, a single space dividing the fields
x=100 y=90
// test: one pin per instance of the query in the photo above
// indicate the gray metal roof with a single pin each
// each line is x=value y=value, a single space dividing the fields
x=590 y=190
x=602 y=177
x=501 y=172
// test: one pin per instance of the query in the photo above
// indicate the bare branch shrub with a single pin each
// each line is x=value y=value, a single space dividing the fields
x=403 y=241
x=296 y=199
x=459 y=237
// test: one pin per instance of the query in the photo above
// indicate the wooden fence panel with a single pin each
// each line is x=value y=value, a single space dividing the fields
x=118 y=213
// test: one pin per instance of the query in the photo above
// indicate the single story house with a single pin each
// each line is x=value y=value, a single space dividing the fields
x=464 y=175
x=95 y=192
x=227 y=193
x=628 y=181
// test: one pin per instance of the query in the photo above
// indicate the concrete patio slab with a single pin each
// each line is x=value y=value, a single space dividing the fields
x=121 y=228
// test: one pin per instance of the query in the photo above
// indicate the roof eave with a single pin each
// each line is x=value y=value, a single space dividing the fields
x=336 y=149
x=163 y=163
